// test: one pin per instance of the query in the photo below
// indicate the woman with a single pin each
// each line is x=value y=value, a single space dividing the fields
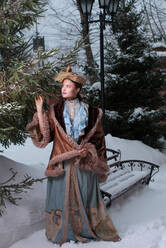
x=74 y=206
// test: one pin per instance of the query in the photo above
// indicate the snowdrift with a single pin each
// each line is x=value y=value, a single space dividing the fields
x=22 y=220
x=140 y=218
x=134 y=149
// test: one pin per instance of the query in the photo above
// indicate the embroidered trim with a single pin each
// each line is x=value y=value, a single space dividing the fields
x=64 y=237
x=70 y=140
x=79 y=202
x=94 y=164
x=73 y=101
x=93 y=130
x=53 y=227
x=91 y=163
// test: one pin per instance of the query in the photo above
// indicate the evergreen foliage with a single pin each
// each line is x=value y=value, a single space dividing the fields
x=9 y=190
x=133 y=81
x=21 y=76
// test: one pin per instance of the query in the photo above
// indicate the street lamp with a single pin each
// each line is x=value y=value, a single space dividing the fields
x=104 y=4
x=109 y=7
x=86 y=6
x=38 y=41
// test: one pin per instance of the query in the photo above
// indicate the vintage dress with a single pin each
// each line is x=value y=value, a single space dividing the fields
x=74 y=206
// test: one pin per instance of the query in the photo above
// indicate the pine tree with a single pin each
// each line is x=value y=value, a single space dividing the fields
x=21 y=77
x=134 y=81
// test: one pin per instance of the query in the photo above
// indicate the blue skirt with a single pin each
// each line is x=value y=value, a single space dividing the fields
x=75 y=209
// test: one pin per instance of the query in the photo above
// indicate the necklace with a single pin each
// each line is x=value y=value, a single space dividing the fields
x=72 y=104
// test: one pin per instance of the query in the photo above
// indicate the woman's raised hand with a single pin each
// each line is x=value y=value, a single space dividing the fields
x=83 y=152
x=39 y=103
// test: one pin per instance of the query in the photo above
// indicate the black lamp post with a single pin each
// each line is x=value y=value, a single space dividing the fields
x=109 y=7
x=38 y=41
x=86 y=6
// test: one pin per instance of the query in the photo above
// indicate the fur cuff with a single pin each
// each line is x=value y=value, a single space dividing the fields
x=92 y=162
x=54 y=172
x=40 y=135
x=62 y=157
x=102 y=178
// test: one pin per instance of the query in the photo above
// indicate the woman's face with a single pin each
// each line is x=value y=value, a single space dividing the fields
x=69 y=90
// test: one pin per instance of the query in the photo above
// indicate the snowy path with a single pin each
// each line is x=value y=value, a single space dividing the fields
x=140 y=220
x=149 y=236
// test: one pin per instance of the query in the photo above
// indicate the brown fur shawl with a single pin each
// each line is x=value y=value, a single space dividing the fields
x=64 y=147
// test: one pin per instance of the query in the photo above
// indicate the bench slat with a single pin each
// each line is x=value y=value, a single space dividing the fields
x=123 y=182
x=124 y=175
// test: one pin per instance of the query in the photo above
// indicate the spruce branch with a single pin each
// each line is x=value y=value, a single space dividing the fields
x=10 y=191
x=24 y=74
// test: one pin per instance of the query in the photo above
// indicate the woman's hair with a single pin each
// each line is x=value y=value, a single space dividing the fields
x=78 y=86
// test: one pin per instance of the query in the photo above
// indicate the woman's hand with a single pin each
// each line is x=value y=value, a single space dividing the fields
x=39 y=103
x=83 y=152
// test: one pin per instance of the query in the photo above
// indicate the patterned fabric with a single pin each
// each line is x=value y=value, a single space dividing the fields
x=79 y=110
x=74 y=206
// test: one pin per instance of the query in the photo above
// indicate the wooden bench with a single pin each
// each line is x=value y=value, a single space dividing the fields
x=125 y=175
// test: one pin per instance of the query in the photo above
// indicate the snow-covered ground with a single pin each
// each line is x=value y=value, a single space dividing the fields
x=28 y=154
x=140 y=218
x=22 y=220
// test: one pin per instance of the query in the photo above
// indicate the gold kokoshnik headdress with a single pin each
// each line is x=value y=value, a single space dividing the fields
x=68 y=74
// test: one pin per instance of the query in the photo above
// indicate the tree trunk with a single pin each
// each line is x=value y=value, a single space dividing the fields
x=91 y=64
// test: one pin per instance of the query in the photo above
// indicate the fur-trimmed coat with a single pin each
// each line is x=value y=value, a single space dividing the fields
x=64 y=147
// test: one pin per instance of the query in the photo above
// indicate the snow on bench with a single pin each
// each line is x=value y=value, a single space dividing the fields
x=119 y=181
x=124 y=175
